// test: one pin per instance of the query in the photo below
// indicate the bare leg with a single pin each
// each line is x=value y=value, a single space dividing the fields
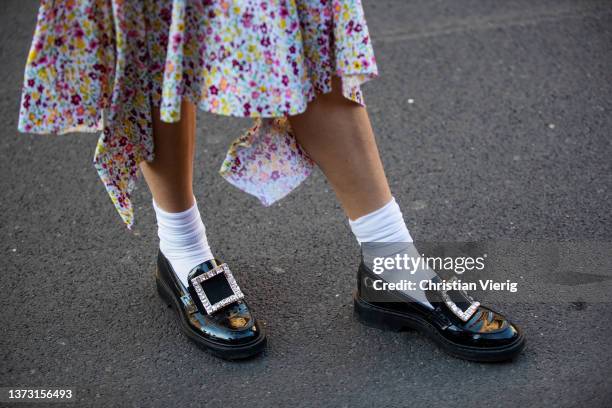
x=170 y=175
x=337 y=135
x=181 y=231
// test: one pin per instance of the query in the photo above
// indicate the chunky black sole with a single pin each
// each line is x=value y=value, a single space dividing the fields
x=238 y=352
x=374 y=316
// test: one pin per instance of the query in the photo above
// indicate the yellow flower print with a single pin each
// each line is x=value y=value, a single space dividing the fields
x=225 y=110
x=31 y=56
x=266 y=68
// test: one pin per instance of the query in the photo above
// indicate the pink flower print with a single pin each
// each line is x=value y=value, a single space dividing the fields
x=75 y=99
x=176 y=41
x=26 y=101
x=166 y=15
x=279 y=81
x=349 y=27
x=99 y=68
x=78 y=32
x=247 y=19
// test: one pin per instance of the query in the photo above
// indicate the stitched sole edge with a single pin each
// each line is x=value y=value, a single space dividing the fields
x=374 y=316
x=239 y=352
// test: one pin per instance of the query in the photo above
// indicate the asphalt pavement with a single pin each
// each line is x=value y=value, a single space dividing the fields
x=493 y=121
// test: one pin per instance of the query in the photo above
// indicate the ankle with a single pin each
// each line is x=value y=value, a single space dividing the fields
x=182 y=239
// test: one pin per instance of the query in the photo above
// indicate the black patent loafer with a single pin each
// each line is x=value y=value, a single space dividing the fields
x=211 y=311
x=460 y=326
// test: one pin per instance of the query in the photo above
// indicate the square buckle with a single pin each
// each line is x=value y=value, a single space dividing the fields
x=464 y=315
x=199 y=284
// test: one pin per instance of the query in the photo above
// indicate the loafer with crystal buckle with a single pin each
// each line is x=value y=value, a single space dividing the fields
x=211 y=311
x=453 y=320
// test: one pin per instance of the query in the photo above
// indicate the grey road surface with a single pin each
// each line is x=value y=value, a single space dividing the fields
x=494 y=123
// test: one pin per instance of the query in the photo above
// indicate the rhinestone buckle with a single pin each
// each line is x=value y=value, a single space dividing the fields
x=461 y=314
x=199 y=289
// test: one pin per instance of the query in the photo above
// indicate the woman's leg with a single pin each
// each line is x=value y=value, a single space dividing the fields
x=337 y=134
x=170 y=175
x=182 y=234
x=233 y=332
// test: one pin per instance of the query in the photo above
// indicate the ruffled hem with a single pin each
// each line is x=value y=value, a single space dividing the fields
x=271 y=182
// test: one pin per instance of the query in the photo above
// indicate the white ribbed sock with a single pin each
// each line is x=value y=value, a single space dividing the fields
x=182 y=239
x=383 y=225
x=386 y=235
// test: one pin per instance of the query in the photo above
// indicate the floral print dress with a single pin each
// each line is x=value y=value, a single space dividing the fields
x=101 y=65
